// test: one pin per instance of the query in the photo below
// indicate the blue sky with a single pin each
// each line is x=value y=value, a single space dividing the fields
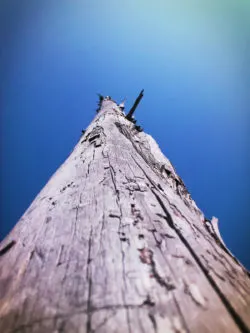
x=192 y=59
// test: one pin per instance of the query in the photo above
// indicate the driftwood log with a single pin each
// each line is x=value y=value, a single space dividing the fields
x=114 y=243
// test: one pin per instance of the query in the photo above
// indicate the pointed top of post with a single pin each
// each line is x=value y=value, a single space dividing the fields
x=103 y=99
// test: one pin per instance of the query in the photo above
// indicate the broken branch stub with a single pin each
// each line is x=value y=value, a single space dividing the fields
x=137 y=101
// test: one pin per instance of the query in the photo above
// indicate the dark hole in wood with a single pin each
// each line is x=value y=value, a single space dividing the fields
x=148 y=302
x=94 y=137
x=7 y=247
x=48 y=219
x=168 y=172
x=177 y=182
x=159 y=186
x=141 y=236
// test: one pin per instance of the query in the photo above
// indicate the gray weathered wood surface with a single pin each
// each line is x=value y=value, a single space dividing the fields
x=114 y=243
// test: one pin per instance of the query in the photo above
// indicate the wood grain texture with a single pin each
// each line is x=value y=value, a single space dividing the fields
x=114 y=243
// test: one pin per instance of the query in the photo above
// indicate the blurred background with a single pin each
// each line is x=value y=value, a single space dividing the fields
x=191 y=57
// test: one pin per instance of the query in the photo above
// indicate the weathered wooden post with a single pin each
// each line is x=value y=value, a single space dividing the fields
x=114 y=243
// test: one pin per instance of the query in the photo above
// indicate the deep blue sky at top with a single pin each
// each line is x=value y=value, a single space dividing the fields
x=191 y=57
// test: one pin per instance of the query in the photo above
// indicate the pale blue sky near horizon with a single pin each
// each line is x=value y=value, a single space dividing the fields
x=192 y=59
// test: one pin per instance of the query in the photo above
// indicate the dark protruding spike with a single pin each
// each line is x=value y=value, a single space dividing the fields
x=101 y=98
x=137 y=101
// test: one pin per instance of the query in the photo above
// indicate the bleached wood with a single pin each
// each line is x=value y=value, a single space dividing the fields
x=114 y=243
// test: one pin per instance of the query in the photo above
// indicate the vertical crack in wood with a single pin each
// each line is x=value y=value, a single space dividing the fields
x=89 y=279
x=124 y=289
x=184 y=323
x=76 y=218
x=153 y=321
x=113 y=173
x=59 y=258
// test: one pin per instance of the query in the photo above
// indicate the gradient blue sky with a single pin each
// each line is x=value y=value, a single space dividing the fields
x=191 y=57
